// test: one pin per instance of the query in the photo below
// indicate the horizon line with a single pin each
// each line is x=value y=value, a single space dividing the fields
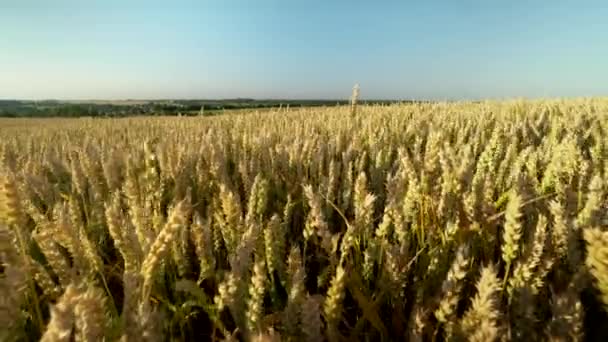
x=127 y=99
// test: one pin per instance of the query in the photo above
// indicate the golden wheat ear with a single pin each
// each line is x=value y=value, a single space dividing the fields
x=597 y=260
x=480 y=321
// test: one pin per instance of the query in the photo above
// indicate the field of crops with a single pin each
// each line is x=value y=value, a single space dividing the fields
x=419 y=222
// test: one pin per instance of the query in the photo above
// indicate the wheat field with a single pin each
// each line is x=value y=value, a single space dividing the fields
x=419 y=222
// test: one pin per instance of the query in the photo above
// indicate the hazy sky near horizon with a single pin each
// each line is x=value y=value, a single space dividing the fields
x=302 y=49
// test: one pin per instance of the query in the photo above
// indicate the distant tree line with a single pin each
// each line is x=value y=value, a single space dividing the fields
x=14 y=108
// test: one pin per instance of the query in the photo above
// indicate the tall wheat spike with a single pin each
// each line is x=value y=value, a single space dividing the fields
x=480 y=322
x=354 y=99
x=160 y=247
x=597 y=260
x=61 y=325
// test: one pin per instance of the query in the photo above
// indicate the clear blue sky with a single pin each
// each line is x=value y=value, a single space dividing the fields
x=302 y=49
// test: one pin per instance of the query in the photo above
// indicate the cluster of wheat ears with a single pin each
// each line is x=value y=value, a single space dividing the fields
x=445 y=221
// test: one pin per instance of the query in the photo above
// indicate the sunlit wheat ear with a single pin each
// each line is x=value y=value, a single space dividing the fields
x=256 y=296
x=61 y=325
x=180 y=251
x=364 y=208
x=597 y=260
x=153 y=187
x=12 y=279
x=411 y=208
x=450 y=185
x=589 y=215
x=480 y=321
x=288 y=213
x=332 y=307
x=229 y=218
x=10 y=206
x=316 y=224
x=91 y=168
x=348 y=182
x=202 y=237
x=528 y=270
x=79 y=182
x=177 y=220
x=512 y=230
x=393 y=218
x=51 y=250
x=258 y=199
x=43 y=279
x=385 y=228
x=68 y=236
x=241 y=260
x=332 y=181
x=90 y=313
x=233 y=291
x=274 y=243
x=354 y=99
x=88 y=248
x=371 y=256
x=296 y=293
x=122 y=234
x=12 y=219
x=226 y=292
x=394 y=269
x=560 y=231
x=451 y=289
x=111 y=168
